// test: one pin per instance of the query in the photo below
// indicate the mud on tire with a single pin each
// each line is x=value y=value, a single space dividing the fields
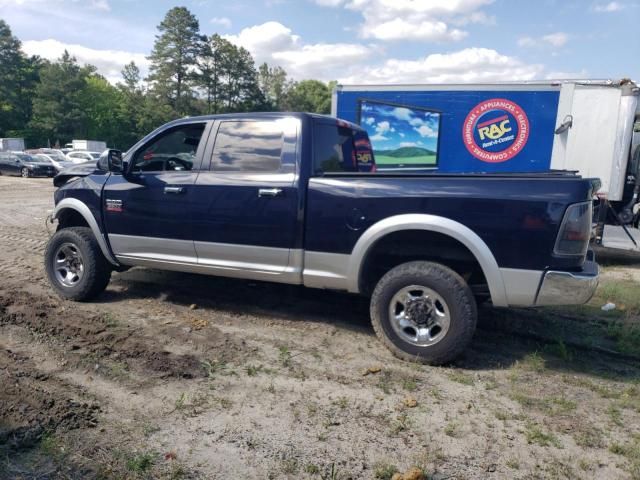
x=77 y=249
x=435 y=297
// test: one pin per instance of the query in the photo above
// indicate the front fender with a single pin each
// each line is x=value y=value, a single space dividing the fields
x=82 y=209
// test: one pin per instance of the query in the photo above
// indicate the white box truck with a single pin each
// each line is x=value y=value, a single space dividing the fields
x=89 y=145
x=11 y=144
x=582 y=125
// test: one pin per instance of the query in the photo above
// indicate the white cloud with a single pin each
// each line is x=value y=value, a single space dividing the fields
x=557 y=75
x=608 y=7
x=526 y=42
x=276 y=44
x=464 y=66
x=426 y=20
x=383 y=127
x=222 y=21
x=408 y=144
x=557 y=39
x=108 y=62
x=95 y=4
x=426 y=131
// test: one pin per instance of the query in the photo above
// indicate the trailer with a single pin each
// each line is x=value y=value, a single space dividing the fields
x=11 y=144
x=89 y=145
x=581 y=125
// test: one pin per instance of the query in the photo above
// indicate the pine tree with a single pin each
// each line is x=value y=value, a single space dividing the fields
x=274 y=85
x=58 y=111
x=18 y=77
x=174 y=57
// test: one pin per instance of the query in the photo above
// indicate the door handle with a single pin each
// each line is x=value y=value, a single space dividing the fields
x=176 y=190
x=269 y=192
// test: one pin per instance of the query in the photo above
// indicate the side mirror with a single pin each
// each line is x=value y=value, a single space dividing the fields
x=114 y=161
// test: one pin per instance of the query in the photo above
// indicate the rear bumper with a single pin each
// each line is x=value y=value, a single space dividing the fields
x=569 y=288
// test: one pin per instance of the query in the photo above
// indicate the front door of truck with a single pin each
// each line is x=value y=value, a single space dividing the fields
x=247 y=212
x=148 y=211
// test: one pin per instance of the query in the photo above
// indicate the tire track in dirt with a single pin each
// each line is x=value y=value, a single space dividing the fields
x=97 y=336
x=35 y=403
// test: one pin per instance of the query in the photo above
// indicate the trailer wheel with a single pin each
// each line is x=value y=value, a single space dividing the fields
x=424 y=311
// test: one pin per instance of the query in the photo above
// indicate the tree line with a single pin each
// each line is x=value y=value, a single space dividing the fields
x=52 y=102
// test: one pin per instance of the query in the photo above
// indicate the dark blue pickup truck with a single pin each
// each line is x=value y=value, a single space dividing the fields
x=295 y=198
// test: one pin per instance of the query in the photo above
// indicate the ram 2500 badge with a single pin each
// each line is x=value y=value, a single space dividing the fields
x=294 y=198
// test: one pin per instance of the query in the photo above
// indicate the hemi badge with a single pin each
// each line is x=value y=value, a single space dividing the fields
x=114 y=205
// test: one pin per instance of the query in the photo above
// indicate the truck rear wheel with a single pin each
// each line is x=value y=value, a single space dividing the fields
x=424 y=311
x=74 y=263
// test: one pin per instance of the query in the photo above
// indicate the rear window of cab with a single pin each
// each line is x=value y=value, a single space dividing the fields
x=339 y=147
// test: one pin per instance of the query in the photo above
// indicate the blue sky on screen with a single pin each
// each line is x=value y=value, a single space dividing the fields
x=391 y=127
x=358 y=41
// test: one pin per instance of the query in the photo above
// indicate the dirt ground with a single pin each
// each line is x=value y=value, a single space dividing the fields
x=174 y=376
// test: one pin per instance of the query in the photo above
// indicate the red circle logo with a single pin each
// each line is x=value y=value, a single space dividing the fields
x=495 y=130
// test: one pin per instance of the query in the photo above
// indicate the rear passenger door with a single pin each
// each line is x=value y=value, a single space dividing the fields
x=247 y=209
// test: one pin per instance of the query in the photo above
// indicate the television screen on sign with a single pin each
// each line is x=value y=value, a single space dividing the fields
x=403 y=137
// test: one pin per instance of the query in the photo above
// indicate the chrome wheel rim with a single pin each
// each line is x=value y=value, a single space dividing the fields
x=68 y=265
x=25 y=173
x=419 y=315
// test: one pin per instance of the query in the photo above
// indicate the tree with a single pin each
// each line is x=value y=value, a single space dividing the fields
x=100 y=101
x=274 y=85
x=58 y=110
x=173 y=58
x=212 y=66
x=309 y=96
x=241 y=89
x=18 y=78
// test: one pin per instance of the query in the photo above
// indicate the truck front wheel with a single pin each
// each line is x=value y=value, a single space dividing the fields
x=424 y=311
x=74 y=263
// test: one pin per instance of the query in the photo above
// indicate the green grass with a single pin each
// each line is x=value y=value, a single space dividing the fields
x=538 y=436
x=384 y=471
x=382 y=160
x=141 y=462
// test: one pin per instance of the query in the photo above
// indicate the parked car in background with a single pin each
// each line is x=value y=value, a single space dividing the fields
x=55 y=160
x=81 y=156
x=25 y=165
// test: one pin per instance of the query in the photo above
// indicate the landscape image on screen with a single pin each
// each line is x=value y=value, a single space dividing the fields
x=401 y=136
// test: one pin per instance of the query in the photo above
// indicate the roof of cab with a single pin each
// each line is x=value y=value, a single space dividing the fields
x=253 y=115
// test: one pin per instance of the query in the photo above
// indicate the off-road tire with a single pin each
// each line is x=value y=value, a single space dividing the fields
x=97 y=270
x=446 y=283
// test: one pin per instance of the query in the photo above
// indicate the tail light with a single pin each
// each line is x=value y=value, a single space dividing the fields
x=575 y=230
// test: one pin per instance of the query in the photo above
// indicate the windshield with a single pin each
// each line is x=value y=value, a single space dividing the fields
x=43 y=158
x=24 y=157
x=59 y=156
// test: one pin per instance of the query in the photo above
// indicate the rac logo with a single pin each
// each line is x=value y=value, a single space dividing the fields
x=495 y=130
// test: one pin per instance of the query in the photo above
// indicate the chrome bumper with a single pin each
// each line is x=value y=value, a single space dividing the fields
x=569 y=288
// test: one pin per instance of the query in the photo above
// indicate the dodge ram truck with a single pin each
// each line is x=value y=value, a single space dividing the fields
x=295 y=198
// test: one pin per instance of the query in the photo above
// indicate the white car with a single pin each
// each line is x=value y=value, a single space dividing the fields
x=57 y=162
x=81 y=156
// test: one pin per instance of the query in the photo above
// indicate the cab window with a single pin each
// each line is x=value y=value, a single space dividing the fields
x=248 y=146
x=341 y=148
x=173 y=150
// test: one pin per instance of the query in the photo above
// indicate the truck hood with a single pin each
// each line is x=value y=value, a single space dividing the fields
x=75 y=171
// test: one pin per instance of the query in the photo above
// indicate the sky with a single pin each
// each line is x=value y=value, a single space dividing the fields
x=357 y=41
